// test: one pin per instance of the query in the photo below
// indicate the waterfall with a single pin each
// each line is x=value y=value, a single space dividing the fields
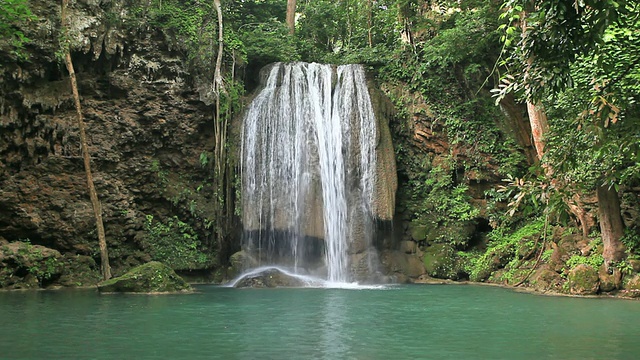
x=308 y=168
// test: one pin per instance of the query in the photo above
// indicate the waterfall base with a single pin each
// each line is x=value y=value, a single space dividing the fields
x=275 y=277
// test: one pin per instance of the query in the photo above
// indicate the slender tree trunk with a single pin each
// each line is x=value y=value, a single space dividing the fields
x=539 y=126
x=95 y=202
x=611 y=225
x=291 y=16
x=370 y=22
x=219 y=151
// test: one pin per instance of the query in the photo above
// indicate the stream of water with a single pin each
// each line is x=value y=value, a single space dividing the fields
x=397 y=322
x=308 y=166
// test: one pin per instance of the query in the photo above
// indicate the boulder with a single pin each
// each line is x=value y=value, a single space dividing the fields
x=397 y=262
x=79 y=270
x=609 y=282
x=635 y=264
x=632 y=287
x=583 y=280
x=441 y=261
x=152 y=277
x=408 y=247
x=270 y=278
x=545 y=279
x=239 y=261
x=27 y=266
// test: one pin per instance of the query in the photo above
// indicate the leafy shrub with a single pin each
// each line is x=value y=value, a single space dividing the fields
x=501 y=250
x=176 y=244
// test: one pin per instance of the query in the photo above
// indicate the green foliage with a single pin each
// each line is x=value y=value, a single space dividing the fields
x=631 y=241
x=594 y=260
x=501 y=250
x=176 y=244
x=204 y=159
x=557 y=33
x=532 y=197
x=436 y=201
x=161 y=173
x=14 y=14
x=268 y=42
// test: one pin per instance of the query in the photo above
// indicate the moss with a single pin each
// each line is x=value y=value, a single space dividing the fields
x=583 y=280
x=152 y=277
x=441 y=261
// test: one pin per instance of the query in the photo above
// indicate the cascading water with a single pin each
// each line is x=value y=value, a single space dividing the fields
x=309 y=168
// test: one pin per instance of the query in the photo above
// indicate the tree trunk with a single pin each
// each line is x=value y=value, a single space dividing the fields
x=370 y=22
x=217 y=76
x=611 y=225
x=519 y=126
x=291 y=16
x=95 y=202
x=539 y=126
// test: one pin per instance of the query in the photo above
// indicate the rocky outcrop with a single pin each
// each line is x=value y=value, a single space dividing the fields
x=146 y=128
x=270 y=278
x=583 y=280
x=153 y=277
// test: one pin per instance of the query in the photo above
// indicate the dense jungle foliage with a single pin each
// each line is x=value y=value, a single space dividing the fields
x=454 y=66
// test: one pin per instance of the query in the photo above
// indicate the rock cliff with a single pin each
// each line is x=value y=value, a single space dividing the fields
x=146 y=126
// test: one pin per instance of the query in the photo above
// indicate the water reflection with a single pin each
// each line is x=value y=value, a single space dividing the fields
x=335 y=338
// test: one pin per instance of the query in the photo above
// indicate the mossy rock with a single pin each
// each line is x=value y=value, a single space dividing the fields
x=456 y=232
x=152 y=277
x=632 y=287
x=79 y=270
x=583 y=280
x=27 y=266
x=270 y=278
x=418 y=231
x=609 y=282
x=441 y=261
x=545 y=279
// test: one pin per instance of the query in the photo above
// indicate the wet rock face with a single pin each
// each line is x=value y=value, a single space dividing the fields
x=26 y=266
x=146 y=130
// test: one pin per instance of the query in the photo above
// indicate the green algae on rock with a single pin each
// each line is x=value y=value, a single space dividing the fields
x=152 y=277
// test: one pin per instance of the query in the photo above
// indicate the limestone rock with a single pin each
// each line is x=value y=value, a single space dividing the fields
x=408 y=247
x=397 y=262
x=152 y=277
x=632 y=287
x=609 y=282
x=545 y=279
x=27 y=266
x=583 y=280
x=441 y=261
x=240 y=261
x=635 y=264
x=270 y=278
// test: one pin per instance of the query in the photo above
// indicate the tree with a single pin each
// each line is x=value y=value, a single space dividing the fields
x=291 y=16
x=95 y=202
x=554 y=36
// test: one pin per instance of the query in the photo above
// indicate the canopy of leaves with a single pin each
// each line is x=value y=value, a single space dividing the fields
x=12 y=13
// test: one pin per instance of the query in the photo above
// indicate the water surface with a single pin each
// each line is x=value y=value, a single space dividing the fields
x=402 y=322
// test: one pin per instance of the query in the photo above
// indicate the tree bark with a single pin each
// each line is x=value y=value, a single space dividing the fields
x=611 y=226
x=291 y=16
x=370 y=22
x=539 y=126
x=95 y=202
x=519 y=126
